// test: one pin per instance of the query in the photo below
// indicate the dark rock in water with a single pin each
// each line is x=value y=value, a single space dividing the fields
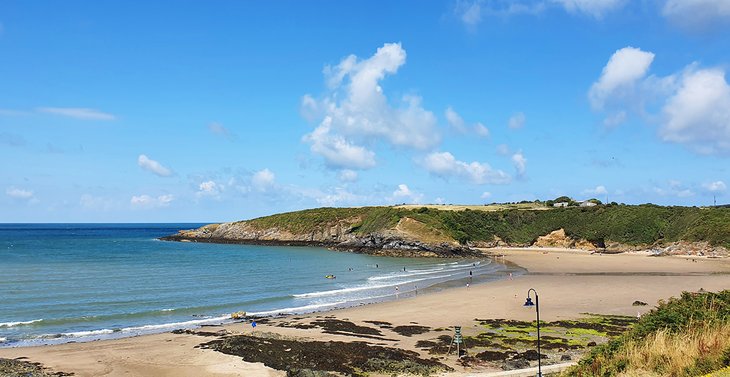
x=639 y=303
x=565 y=357
x=515 y=364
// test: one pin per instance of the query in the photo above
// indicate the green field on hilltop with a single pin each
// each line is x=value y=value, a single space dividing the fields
x=626 y=224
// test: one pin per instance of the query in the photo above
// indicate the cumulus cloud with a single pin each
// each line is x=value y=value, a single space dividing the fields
x=263 y=180
x=697 y=14
x=625 y=67
x=717 y=186
x=595 y=8
x=694 y=102
x=486 y=195
x=355 y=111
x=406 y=195
x=338 y=196
x=481 y=130
x=337 y=151
x=445 y=165
x=520 y=163
x=455 y=120
x=19 y=194
x=347 y=175
x=698 y=113
x=209 y=188
x=595 y=192
x=78 y=113
x=148 y=202
x=153 y=166
x=517 y=121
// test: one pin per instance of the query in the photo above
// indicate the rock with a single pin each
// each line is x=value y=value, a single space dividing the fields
x=591 y=344
x=515 y=364
x=530 y=355
x=639 y=303
x=565 y=357
x=307 y=373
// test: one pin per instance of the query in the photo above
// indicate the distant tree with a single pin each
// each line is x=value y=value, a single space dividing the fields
x=563 y=199
x=549 y=203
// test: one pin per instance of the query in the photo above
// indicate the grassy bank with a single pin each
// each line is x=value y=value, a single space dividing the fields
x=624 y=224
x=687 y=336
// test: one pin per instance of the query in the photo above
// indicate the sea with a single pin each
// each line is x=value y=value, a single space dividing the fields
x=64 y=283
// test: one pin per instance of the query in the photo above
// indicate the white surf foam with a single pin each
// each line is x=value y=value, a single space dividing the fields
x=19 y=323
x=298 y=309
x=365 y=287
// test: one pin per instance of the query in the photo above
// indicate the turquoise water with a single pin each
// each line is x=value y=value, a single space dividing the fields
x=78 y=282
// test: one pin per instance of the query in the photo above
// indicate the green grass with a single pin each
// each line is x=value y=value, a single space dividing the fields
x=686 y=336
x=641 y=225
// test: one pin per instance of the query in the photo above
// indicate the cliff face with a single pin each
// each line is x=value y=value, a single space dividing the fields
x=338 y=235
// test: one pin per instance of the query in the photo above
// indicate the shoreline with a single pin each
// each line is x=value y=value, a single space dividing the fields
x=570 y=283
x=484 y=274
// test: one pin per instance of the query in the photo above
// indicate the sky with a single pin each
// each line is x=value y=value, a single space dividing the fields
x=208 y=111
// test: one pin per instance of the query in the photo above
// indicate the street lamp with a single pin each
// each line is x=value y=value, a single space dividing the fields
x=536 y=304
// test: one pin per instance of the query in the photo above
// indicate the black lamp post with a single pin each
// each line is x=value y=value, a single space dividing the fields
x=536 y=304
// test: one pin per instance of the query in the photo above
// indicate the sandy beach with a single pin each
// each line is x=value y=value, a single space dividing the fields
x=570 y=283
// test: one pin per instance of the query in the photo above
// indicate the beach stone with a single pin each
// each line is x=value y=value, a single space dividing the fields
x=565 y=357
x=639 y=303
x=515 y=364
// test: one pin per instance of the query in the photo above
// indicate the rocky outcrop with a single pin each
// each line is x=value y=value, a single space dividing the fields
x=700 y=249
x=558 y=238
x=338 y=235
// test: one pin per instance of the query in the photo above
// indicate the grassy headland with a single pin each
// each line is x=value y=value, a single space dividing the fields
x=640 y=225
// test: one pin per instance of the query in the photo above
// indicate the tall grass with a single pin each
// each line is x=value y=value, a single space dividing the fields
x=686 y=336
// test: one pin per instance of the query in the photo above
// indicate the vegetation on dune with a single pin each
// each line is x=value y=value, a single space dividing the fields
x=686 y=336
x=630 y=225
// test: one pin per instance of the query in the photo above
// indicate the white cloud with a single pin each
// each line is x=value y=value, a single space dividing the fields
x=698 y=114
x=147 y=202
x=78 y=113
x=481 y=130
x=263 y=180
x=153 y=166
x=455 y=120
x=486 y=195
x=445 y=165
x=347 y=175
x=697 y=14
x=20 y=194
x=717 y=186
x=597 y=191
x=520 y=163
x=594 y=8
x=338 y=197
x=439 y=200
x=337 y=151
x=517 y=121
x=625 y=67
x=405 y=194
x=357 y=111
x=209 y=188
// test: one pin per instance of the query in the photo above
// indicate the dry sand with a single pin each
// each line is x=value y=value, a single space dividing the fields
x=569 y=283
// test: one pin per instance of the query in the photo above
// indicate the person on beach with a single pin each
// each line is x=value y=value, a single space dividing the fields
x=404 y=269
x=470 y=274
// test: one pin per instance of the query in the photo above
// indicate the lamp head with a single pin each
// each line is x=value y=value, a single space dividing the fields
x=529 y=302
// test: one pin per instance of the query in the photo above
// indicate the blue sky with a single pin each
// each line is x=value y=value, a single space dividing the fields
x=218 y=111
